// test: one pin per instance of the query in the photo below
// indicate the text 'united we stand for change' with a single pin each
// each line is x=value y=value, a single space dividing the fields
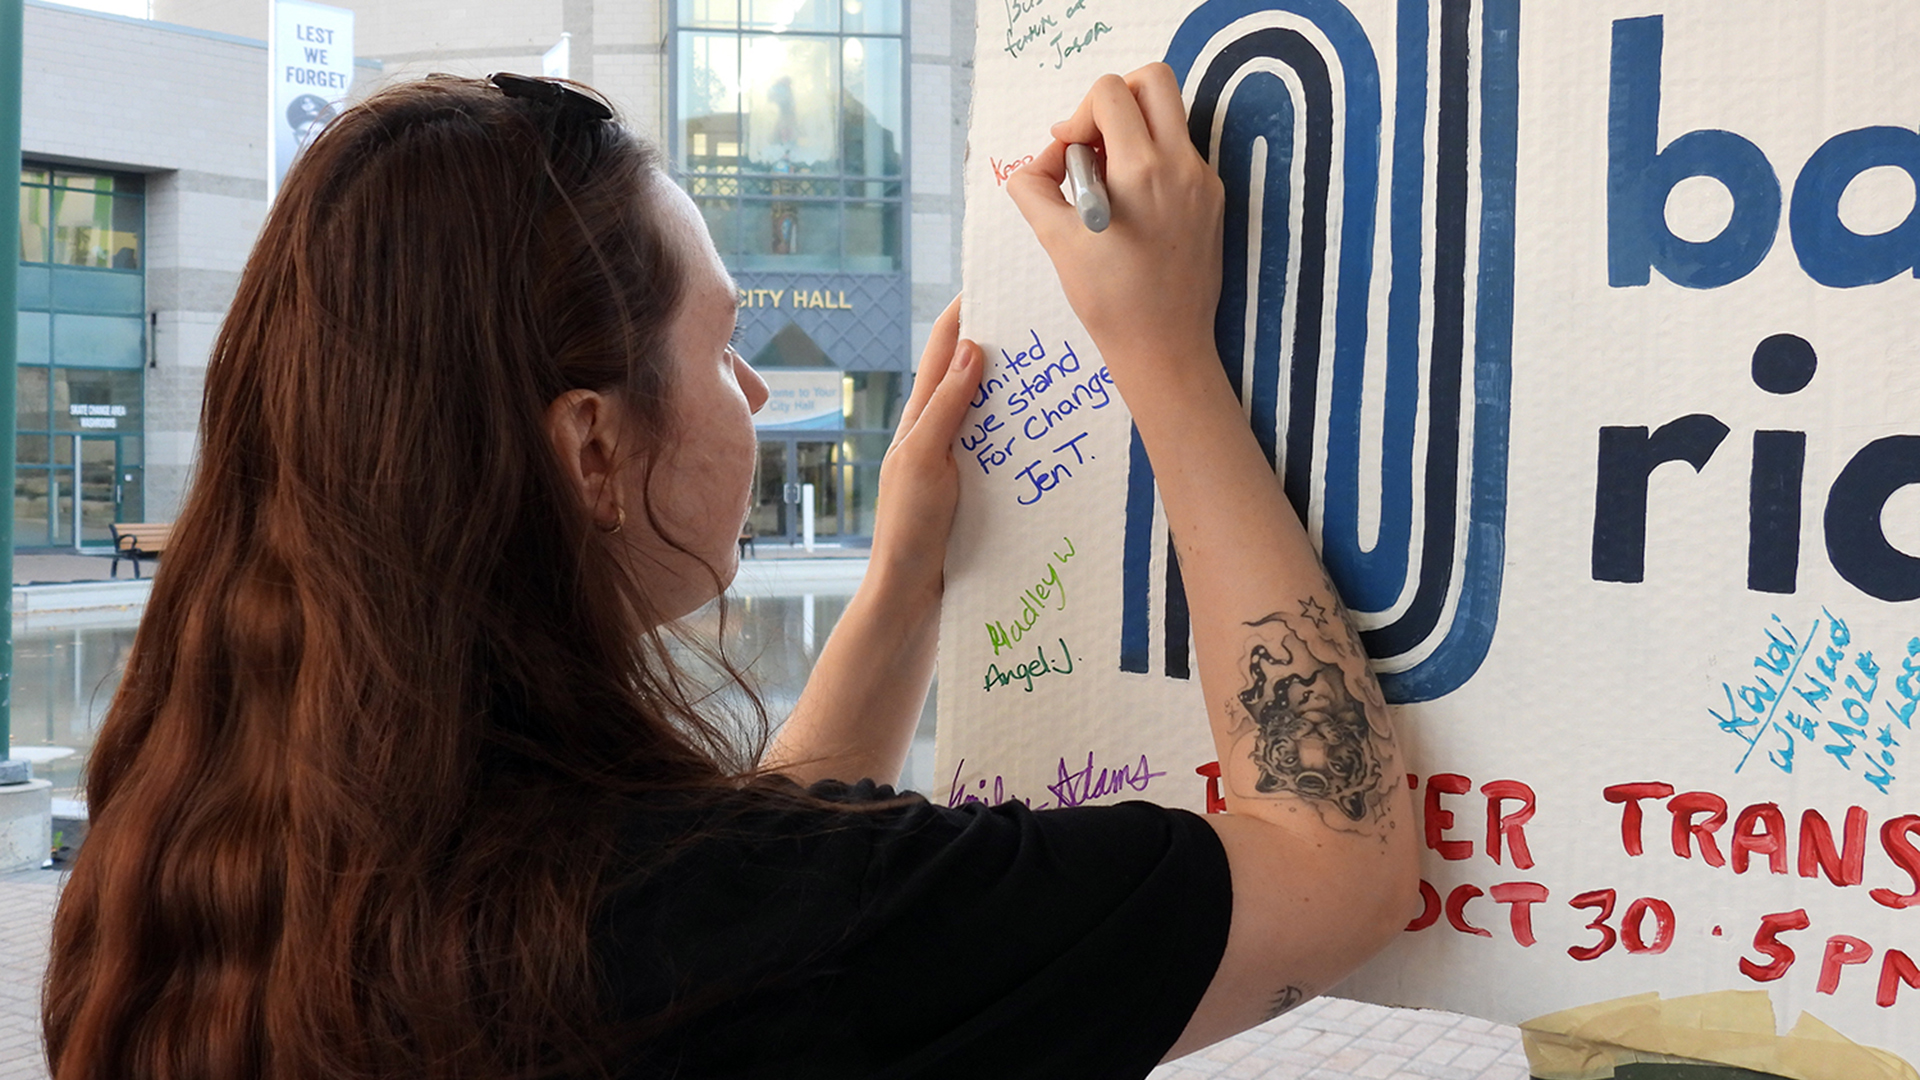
x=1029 y=417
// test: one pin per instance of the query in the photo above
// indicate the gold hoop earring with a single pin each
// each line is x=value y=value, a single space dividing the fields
x=619 y=522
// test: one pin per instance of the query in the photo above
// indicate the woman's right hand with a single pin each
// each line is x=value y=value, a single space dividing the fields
x=1147 y=287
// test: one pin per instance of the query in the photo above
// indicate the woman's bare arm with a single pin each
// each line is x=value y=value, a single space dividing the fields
x=1319 y=828
x=856 y=717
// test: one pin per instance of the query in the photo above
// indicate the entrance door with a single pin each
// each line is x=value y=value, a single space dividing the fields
x=817 y=463
x=769 y=517
x=98 y=486
x=786 y=465
x=89 y=489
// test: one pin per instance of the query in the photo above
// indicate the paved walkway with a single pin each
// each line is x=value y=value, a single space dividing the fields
x=26 y=913
x=1321 y=1040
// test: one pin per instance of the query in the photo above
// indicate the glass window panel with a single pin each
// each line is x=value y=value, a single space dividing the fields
x=781 y=16
x=83 y=181
x=865 y=449
x=34 y=335
x=709 y=12
x=870 y=16
x=862 y=496
x=874 y=189
x=83 y=229
x=133 y=500
x=30 y=450
x=95 y=402
x=873 y=237
x=30 y=508
x=790 y=235
x=35 y=214
x=876 y=406
x=709 y=90
x=100 y=341
x=30 y=399
x=30 y=174
x=871 y=115
x=34 y=287
x=790 y=91
x=95 y=293
x=786 y=187
x=129 y=223
x=723 y=224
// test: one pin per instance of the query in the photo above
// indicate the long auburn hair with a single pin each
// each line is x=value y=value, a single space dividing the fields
x=354 y=802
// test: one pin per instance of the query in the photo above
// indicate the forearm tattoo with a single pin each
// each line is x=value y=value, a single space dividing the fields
x=1311 y=718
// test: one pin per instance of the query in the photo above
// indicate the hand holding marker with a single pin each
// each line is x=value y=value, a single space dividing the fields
x=1089 y=191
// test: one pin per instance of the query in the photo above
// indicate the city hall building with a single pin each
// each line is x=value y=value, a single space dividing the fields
x=821 y=139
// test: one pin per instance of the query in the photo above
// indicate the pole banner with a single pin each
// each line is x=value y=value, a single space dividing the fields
x=310 y=71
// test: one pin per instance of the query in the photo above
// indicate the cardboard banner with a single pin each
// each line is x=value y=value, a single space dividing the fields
x=1583 y=338
x=309 y=72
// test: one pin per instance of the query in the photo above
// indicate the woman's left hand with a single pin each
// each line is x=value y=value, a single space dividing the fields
x=919 y=481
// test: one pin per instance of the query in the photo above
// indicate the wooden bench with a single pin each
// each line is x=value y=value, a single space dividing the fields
x=138 y=540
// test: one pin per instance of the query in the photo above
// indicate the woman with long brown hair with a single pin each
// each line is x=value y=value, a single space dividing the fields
x=404 y=780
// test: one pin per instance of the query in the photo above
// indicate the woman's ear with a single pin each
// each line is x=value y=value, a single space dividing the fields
x=582 y=426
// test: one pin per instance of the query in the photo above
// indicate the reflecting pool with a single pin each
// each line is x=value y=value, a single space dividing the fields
x=64 y=679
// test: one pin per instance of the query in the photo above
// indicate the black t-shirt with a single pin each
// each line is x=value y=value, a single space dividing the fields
x=897 y=939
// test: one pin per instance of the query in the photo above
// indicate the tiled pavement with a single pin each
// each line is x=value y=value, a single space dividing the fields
x=1321 y=1040
x=26 y=912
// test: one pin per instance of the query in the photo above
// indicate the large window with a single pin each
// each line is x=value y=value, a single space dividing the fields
x=788 y=130
x=82 y=345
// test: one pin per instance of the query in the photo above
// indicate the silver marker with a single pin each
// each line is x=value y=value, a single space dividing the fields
x=1089 y=191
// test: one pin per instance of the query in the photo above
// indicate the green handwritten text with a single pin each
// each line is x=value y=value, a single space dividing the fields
x=1049 y=592
x=1036 y=668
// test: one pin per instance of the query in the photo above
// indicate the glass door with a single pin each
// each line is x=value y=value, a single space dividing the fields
x=769 y=518
x=814 y=463
x=62 y=482
x=97 y=482
x=86 y=490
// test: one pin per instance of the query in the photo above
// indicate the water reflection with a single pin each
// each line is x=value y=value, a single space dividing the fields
x=776 y=639
x=63 y=680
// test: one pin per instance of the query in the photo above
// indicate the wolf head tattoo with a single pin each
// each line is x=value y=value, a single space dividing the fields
x=1312 y=737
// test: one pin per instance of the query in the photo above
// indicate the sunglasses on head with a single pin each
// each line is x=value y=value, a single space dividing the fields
x=551 y=92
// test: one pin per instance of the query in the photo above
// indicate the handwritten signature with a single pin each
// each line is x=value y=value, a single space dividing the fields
x=1074 y=787
x=1063 y=53
x=1033 y=601
x=1084 y=784
x=1038 y=667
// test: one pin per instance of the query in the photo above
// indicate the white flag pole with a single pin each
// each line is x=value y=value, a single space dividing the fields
x=270 y=147
x=557 y=63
